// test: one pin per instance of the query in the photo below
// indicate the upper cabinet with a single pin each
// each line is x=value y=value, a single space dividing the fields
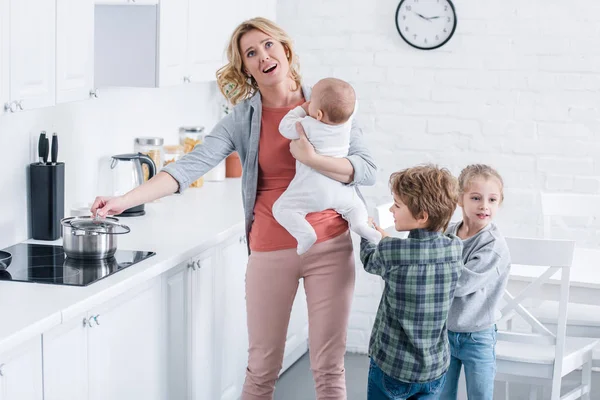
x=74 y=49
x=32 y=53
x=45 y=52
x=192 y=36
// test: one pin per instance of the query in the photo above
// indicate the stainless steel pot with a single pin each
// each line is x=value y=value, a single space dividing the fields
x=87 y=237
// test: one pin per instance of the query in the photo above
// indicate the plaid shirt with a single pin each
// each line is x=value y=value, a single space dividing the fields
x=409 y=341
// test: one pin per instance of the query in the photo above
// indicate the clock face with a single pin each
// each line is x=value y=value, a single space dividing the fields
x=426 y=24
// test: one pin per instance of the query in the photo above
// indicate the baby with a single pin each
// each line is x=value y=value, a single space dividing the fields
x=327 y=126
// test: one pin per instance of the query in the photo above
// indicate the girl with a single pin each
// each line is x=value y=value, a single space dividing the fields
x=474 y=310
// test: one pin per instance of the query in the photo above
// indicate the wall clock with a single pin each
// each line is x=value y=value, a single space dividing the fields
x=426 y=24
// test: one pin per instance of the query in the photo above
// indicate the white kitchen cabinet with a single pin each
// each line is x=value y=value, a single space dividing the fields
x=201 y=343
x=32 y=53
x=4 y=49
x=125 y=347
x=66 y=360
x=176 y=294
x=173 y=39
x=230 y=317
x=21 y=372
x=115 y=351
x=74 y=49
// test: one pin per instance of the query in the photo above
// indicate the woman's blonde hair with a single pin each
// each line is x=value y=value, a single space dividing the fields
x=474 y=171
x=231 y=79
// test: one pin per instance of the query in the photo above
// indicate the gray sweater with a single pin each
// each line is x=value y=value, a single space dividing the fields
x=482 y=281
x=240 y=131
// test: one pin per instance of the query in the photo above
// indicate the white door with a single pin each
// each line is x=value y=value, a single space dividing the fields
x=32 y=53
x=125 y=348
x=65 y=360
x=176 y=281
x=173 y=42
x=201 y=330
x=230 y=317
x=4 y=49
x=21 y=372
x=74 y=49
x=210 y=27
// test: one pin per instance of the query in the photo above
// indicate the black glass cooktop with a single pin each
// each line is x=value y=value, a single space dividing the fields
x=48 y=264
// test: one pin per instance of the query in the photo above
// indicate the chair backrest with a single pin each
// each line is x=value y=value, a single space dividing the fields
x=567 y=205
x=554 y=255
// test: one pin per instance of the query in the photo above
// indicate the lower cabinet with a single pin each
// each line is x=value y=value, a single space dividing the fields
x=21 y=372
x=115 y=351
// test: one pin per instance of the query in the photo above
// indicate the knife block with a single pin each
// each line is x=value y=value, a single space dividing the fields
x=47 y=205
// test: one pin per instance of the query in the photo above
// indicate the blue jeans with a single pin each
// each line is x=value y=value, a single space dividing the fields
x=383 y=387
x=477 y=352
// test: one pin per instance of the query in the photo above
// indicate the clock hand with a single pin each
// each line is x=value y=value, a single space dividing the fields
x=421 y=16
x=437 y=16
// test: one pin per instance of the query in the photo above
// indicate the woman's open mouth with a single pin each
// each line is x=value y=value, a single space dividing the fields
x=269 y=69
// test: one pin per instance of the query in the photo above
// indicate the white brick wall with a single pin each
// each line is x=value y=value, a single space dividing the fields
x=517 y=87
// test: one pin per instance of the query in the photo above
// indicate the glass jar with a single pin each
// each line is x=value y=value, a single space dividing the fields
x=153 y=148
x=172 y=153
x=189 y=137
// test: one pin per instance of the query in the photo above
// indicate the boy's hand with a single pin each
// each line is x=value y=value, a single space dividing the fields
x=378 y=229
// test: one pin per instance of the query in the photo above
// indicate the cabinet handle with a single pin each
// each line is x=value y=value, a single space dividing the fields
x=89 y=321
x=96 y=319
x=19 y=104
x=192 y=265
x=243 y=239
x=187 y=79
x=12 y=107
x=1 y=366
x=198 y=264
x=94 y=93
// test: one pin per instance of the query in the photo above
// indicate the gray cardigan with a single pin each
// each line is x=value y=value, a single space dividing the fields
x=239 y=131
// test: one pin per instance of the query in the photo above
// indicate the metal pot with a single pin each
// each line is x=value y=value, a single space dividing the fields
x=87 y=237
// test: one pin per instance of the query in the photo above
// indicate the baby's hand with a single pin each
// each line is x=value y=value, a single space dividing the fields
x=305 y=106
x=373 y=225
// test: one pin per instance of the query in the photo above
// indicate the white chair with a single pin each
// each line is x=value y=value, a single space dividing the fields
x=543 y=357
x=583 y=320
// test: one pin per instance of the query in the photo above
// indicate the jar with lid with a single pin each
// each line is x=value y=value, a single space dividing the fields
x=172 y=153
x=152 y=147
x=189 y=137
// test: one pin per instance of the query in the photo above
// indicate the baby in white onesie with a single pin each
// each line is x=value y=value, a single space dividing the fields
x=327 y=126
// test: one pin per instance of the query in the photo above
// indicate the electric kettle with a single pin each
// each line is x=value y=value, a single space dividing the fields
x=124 y=174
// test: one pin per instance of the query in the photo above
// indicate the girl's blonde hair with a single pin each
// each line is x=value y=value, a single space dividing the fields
x=474 y=171
x=233 y=83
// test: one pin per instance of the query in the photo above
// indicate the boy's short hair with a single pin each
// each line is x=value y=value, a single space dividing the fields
x=427 y=188
x=337 y=99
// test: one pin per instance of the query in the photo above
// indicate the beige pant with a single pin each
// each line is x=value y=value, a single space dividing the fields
x=271 y=285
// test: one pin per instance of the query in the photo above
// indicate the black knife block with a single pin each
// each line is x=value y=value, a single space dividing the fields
x=47 y=205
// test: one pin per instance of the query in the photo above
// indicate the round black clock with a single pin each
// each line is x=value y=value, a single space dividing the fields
x=426 y=24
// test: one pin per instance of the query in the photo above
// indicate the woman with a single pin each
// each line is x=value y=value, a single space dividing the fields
x=261 y=79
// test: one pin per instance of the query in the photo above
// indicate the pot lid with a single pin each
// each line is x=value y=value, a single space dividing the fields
x=108 y=225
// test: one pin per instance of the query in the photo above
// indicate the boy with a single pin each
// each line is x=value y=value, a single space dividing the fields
x=409 y=343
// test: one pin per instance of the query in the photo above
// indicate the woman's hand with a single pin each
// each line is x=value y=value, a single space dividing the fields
x=109 y=206
x=301 y=149
x=377 y=228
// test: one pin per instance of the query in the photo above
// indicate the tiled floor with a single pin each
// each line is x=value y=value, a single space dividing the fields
x=297 y=383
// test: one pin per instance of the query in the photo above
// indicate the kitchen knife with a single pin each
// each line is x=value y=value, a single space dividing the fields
x=54 y=149
x=41 y=146
x=46 y=148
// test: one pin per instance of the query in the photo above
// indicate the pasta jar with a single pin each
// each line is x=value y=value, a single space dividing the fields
x=172 y=153
x=189 y=137
x=153 y=148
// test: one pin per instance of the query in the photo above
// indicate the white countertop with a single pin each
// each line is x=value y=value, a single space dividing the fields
x=177 y=228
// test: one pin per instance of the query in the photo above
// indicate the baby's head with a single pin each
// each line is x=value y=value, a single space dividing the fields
x=425 y=197
x=332 y=101
x=481 y=191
